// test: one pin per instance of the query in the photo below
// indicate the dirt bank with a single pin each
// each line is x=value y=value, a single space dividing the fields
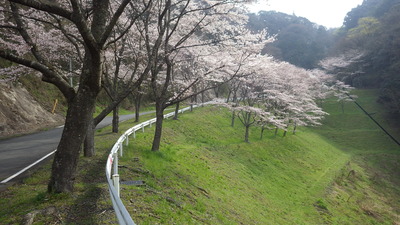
x=20 y=113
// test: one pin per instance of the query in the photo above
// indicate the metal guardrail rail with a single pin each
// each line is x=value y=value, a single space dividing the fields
x=112 y=175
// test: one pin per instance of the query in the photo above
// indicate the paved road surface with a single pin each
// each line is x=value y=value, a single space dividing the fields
x=20 y=152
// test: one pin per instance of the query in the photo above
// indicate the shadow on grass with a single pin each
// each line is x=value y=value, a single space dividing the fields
x=92 y=205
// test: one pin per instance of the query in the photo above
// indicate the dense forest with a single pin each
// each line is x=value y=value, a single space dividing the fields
x=297 y=40
x=369 y=41
x=373 y=29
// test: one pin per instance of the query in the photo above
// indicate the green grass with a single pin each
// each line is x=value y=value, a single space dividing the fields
x=121 y=111
x=206 y=174
x=344 y=172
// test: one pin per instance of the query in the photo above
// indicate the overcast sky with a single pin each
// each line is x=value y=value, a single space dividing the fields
x=329 y=13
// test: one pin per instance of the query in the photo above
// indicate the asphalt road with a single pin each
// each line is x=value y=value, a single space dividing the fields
x=18 y=153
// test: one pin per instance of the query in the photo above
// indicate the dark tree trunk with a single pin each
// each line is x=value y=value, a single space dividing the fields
x=158 y=130
x=342 y=104
x=234 y=98
x=294 y=129
x=115 y=120
x=194 y=99
x=262 y=132
x=88 y=145
x=137 y=107
x=176 y=111
x=284 y=133
x=229 y=95
x=233 y=118
x=79 y=115
x=246 y=135
x=216 y=91
x=276 y=131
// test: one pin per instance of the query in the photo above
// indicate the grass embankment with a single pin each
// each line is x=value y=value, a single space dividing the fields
x=345 y=172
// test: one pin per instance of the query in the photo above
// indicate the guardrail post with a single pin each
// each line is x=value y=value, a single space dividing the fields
x=115 y=163
x=127 y=140
x=120 y=149
x=134 y=134
x=150 y=124
x=115 y=178
x=142 y=128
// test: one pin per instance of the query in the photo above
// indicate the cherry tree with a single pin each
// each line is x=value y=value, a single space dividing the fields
x=176 y=30
x=342 y=92
x=342 y=67
x=346 y=66
x=281 y=95
x=44 y=36
x=124 y=72
x=292 y=96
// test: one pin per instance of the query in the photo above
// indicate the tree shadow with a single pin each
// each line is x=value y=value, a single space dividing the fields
x=92 y=204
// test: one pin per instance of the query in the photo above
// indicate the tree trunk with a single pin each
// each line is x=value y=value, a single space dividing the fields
x=88 y=146
x=202 y=98
x=229 y=95
x=233 y=118
x=79 y=115
x=276 y=131
x=294 y=129
x=137 y=107
x=159 y=122
x=246 y=135
x=115 y=120
x=234 y=98
x=216 y=91
x=342 y=103
x=176 y=111
x=262 y=132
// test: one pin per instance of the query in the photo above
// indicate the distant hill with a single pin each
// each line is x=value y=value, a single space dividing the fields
x=298 y=41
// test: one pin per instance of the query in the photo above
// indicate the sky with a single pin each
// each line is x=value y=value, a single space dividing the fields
x=329 y=13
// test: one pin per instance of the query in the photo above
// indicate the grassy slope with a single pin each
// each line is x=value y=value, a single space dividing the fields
x=205 y=174
x=368 y=188
x=345 y=172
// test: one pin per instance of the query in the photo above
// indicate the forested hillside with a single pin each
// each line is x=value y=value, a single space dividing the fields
x=373 y=30
x=297 y=40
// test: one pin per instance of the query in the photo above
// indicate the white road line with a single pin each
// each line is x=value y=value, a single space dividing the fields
x=26 y=168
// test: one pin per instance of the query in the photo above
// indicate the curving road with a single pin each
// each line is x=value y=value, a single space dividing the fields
x=21 y=153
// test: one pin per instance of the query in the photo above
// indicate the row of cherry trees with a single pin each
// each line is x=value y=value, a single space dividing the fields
x=180 y=48
x=278 y=95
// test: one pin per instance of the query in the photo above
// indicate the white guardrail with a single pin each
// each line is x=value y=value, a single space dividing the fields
x=112 y=167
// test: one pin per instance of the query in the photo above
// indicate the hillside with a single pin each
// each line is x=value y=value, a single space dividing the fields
x=344 y=172
x=372 y=29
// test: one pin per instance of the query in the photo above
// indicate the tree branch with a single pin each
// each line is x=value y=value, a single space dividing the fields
x=48 y=6
x=49 y=75
x=113 y=21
